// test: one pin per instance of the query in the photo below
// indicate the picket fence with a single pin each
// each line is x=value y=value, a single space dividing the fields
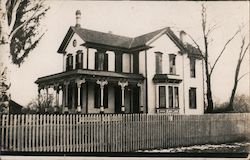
x=117 y=132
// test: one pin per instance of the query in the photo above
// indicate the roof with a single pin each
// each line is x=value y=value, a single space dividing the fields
x=109 y=39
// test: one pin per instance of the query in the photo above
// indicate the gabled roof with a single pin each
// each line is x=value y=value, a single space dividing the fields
x=108 y=39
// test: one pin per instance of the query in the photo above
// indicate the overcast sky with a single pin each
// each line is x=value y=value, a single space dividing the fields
x=133 y=19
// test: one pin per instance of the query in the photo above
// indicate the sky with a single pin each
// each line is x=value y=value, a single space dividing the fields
x=133 y=18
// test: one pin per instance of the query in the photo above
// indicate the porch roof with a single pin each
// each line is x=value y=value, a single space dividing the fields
x=89 y=75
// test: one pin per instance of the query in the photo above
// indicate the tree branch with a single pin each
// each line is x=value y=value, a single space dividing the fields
x=244 y=53
x=197 y=45
x=222 y=51
x=211 y=29
x=13 y=15
x=24 y=23
x=242 y=76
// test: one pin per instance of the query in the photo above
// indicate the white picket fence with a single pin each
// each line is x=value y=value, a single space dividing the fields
x=117 y=132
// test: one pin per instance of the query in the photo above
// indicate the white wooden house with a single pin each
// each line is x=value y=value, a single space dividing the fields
x=158 y=72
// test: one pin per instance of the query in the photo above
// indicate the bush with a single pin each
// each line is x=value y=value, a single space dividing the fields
x=241 y=105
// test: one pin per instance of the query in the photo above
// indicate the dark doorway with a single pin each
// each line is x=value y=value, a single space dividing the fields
x=136 y=107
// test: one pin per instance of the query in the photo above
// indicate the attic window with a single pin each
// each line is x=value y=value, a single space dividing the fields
x=74 y=43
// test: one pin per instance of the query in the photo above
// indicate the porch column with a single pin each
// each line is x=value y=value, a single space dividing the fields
x=140 y=85
x=123 y=85
x=47 y=98
x=66 y=85
x=102 y=84
x=79 y=82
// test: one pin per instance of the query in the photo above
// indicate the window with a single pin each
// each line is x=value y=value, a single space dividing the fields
x=162 y=97
x=158 y=62
x=97 y=102
x=173 y=97
x=170 y=97
x=69 y=62
x=192 y=98
x=79 y=60
x=176 y=97
x=172 y=67
x=101 y=61
x=192 y=67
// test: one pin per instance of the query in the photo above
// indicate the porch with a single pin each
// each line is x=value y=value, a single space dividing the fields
x=91 y=91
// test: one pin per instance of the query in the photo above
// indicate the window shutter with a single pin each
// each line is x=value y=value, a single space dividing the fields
x=136 y=63
x=96 y=60
x=118 y=62
x=106 y=97
x=105 y=63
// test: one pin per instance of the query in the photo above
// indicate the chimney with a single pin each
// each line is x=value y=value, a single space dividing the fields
x=183 y=37
x=78 y=18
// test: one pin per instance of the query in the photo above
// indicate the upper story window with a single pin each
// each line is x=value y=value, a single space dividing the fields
x=192 y=98
x=69 y=62
x=192 y=67
x=158 y=62
x=79 y=60
x=101 y=61
x=172 y=66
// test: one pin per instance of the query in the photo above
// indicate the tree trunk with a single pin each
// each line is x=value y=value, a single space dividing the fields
x=4 y=59
x=210 y=105
x=231 y=102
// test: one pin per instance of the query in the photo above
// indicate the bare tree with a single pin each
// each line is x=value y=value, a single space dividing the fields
x=20 y=33
x=206 y=31
x=42 y=104
x=243 y=51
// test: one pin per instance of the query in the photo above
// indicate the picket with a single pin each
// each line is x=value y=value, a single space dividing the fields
x=117 y=132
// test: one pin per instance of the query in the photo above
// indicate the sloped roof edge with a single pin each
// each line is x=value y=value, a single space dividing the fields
x=123 y=41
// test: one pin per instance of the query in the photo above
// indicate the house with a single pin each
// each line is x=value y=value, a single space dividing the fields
x=157 y=72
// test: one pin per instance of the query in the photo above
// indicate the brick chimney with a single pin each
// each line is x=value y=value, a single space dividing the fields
x=78 y=18
x=183 y=37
